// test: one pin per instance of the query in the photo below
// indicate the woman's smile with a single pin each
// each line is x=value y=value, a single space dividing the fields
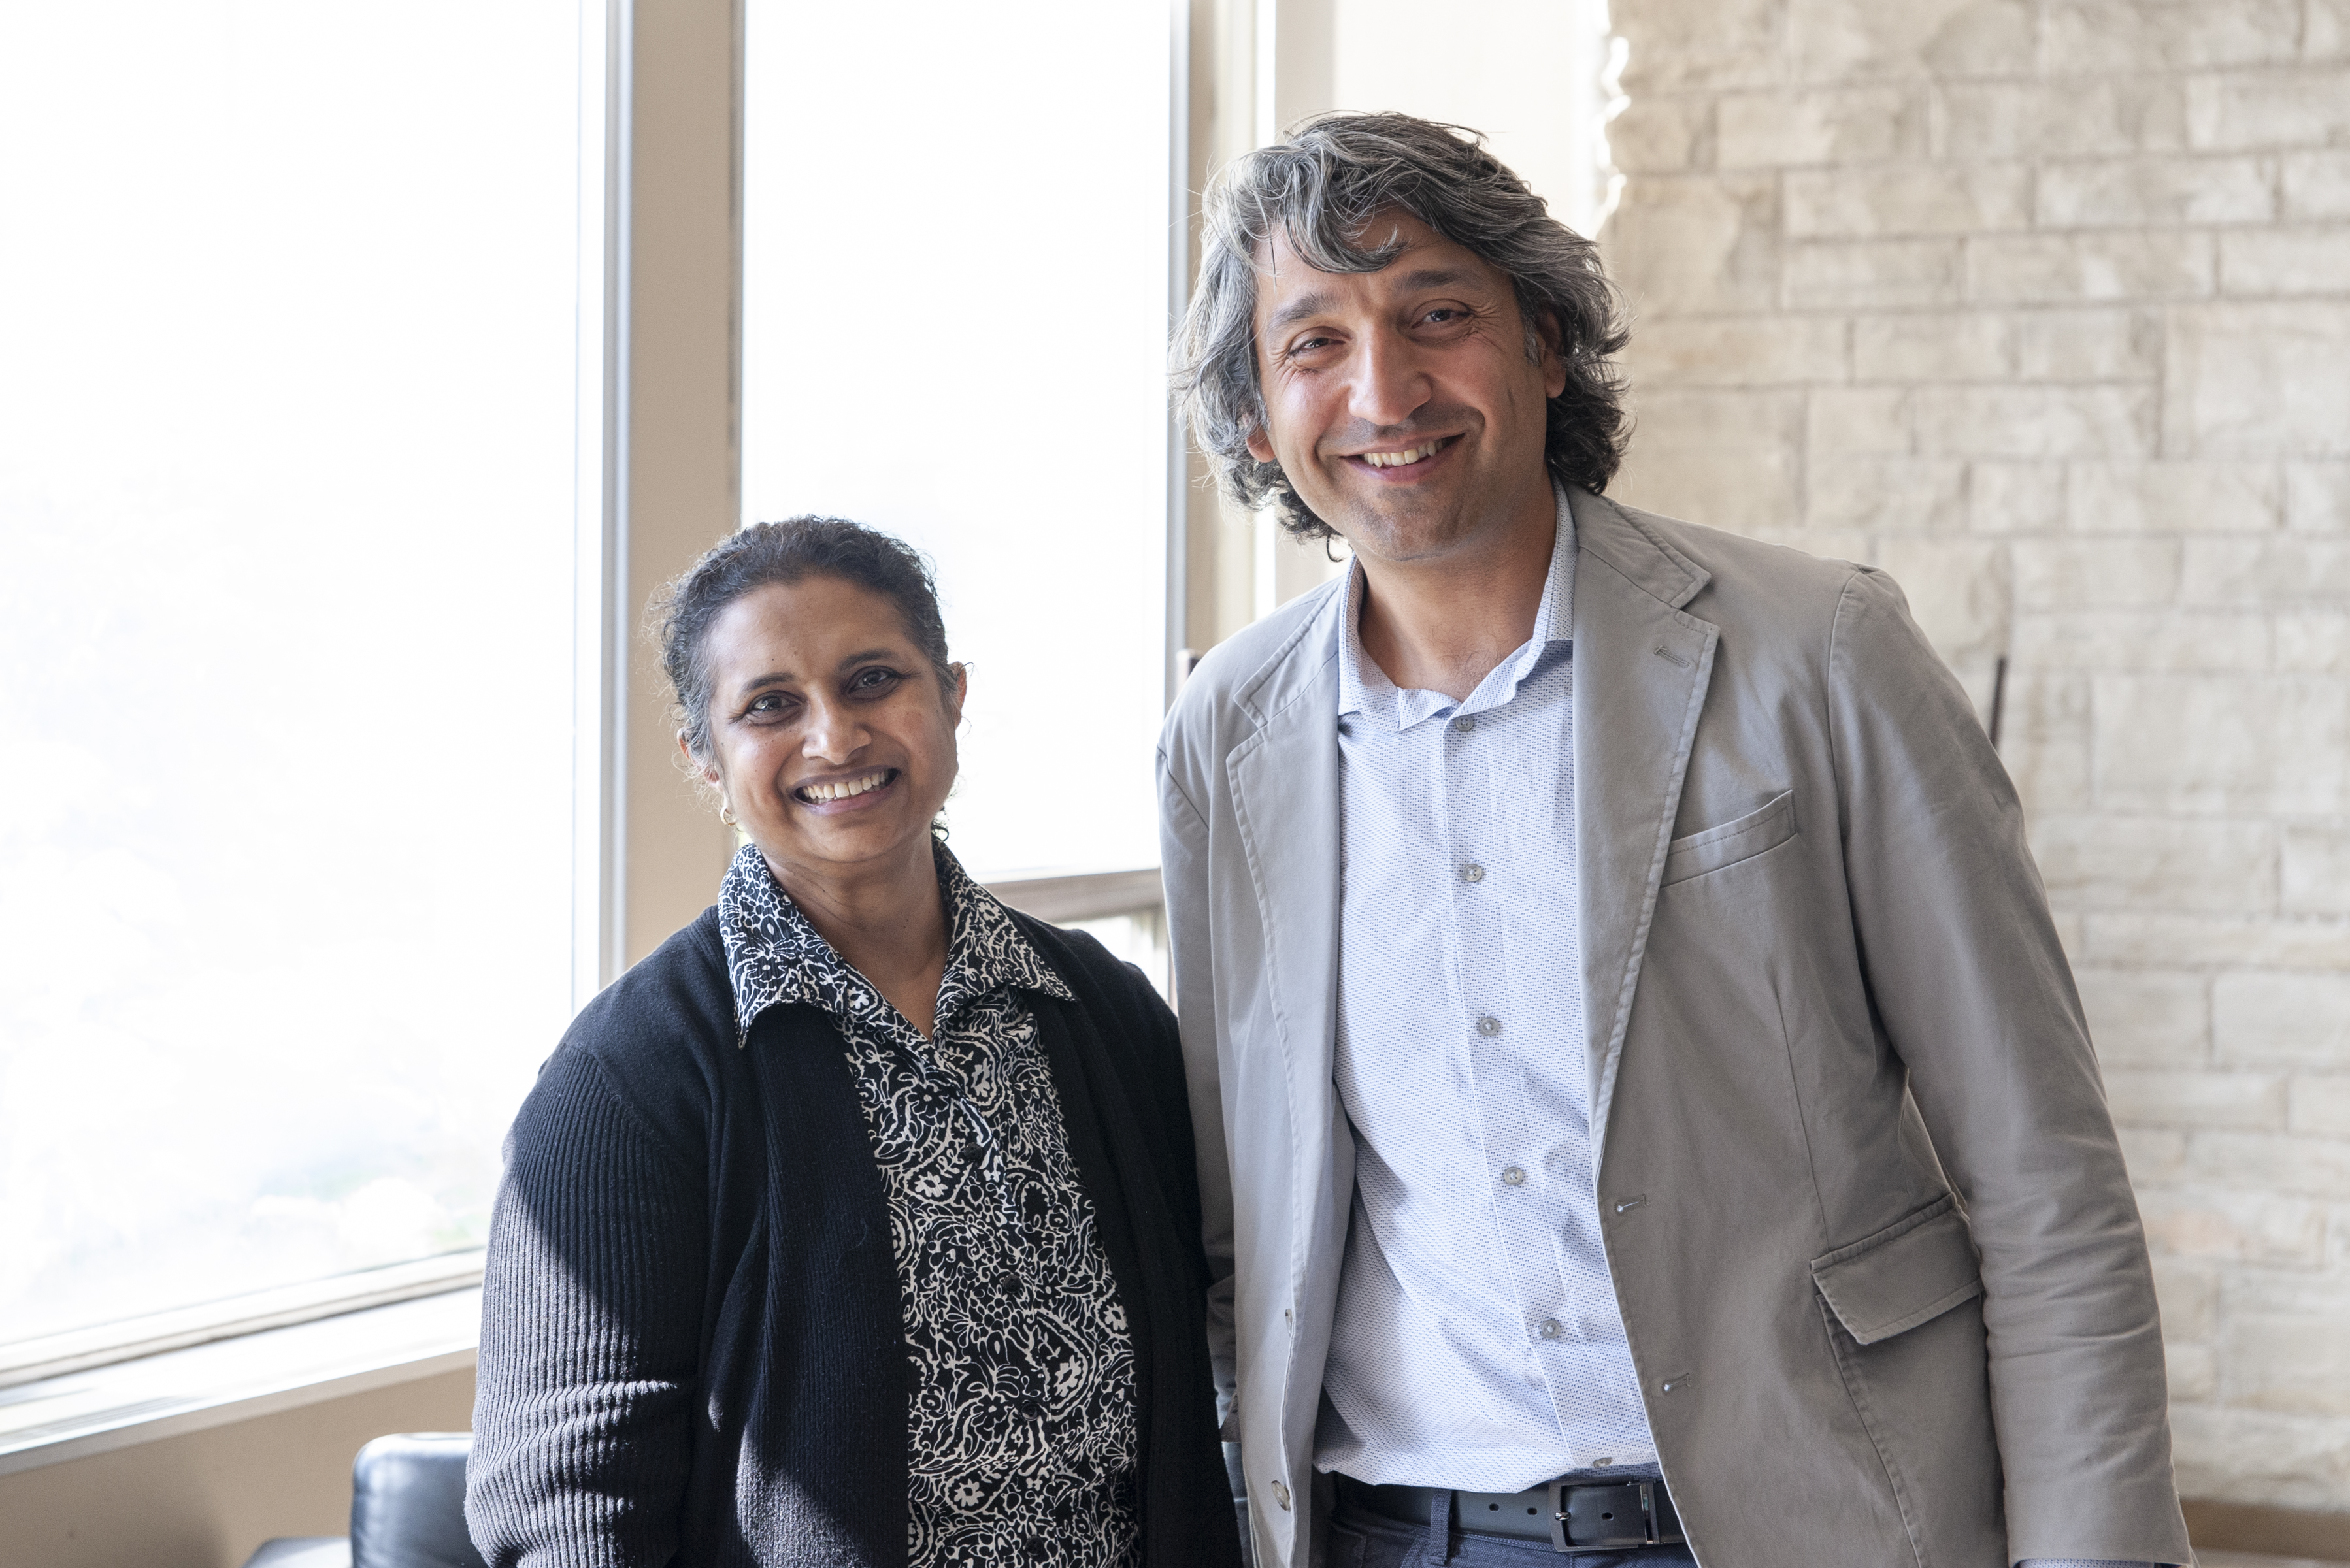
x=856 y=792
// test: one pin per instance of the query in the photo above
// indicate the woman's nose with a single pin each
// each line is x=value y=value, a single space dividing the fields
x=833 y=732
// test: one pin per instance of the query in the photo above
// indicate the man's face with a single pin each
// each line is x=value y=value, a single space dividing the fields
x=1401 y=403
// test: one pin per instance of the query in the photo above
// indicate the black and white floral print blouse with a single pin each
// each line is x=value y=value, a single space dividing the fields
x=1023 y=1444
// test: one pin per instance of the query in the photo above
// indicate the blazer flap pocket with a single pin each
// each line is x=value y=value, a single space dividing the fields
x=1914 y=1270
x=1739 y=839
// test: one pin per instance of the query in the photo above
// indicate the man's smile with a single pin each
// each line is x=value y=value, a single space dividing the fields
x=1401 y=462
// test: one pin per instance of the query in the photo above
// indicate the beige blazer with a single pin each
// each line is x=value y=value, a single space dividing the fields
x=1882 y=1272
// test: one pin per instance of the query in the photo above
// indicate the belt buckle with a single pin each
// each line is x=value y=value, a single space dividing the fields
x=1647 y=1536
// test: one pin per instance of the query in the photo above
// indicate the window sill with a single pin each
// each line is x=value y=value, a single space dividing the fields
x=125 y=1402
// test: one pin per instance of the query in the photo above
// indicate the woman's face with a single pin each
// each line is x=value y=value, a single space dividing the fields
x=830 y=735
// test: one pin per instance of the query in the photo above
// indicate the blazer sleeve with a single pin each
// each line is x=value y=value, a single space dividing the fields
x=1963 y=965
x=590 y=1325
x=1183 y=863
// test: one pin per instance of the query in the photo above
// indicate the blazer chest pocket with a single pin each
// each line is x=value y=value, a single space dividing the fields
x=1741 y=839
x=1912 y=1271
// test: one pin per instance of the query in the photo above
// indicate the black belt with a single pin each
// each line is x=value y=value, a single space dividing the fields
x=1605 y=1518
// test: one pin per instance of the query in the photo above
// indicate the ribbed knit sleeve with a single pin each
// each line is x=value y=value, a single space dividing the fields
x=591 y=1318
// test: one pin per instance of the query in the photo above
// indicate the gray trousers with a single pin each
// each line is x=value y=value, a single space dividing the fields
x=1359 y=1539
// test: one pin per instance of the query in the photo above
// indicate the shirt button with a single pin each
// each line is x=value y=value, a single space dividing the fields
x=1473 y=872
x=1489 y=1026
x=1466 y=723
x=1281 y=1494
x=1550 y=1328
x=1514 y=1176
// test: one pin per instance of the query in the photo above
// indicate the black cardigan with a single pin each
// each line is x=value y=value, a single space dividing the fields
x=692 y=1339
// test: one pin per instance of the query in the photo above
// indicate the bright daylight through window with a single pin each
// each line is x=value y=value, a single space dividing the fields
x=289 y=307
x=942 y=339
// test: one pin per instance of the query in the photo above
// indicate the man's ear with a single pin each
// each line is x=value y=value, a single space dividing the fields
x=1553 y=353
x=1260 y=446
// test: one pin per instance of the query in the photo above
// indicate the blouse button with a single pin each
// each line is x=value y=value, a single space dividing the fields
x=972 y=1154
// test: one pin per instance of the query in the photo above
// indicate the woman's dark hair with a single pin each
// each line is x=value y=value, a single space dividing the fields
x=789 y=551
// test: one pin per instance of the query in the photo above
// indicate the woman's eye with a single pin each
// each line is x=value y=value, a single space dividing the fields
x=872 y=681
x=767 y=705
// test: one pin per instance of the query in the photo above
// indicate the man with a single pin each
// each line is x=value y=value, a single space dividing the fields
x=1643 y=1107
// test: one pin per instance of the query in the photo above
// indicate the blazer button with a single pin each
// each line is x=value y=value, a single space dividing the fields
x=1281 y=1494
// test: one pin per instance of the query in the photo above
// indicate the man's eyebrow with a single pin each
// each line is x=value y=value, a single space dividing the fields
x=1315 y=301
x=1309 y=304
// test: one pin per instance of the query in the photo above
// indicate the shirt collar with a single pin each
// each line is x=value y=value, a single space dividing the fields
x=1364 y=688
x=775 y=953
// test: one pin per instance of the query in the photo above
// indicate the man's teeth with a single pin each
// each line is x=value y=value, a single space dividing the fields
x=846 y=787
x=1399 y=459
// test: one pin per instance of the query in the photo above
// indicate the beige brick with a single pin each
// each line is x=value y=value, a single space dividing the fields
x=2244 y=1226
x=2258 y=380
x=2109 y=862
x=2142 y=192
x=2285 y=261
x=2284 y=1292
x=2132 y=36
x=2326 y=30
x=1730 y=459
x=2044 y=743
x=2192 y=1371
x=2153 y=1155
x=2190 y=1293
x=2217 y=743
x=2296 y=1364
x=1738 y=350
x=2316 y=862
x=2270 y=1161
x=1697 y=242
x=2317 y=497
x=2127 y=937
x=1915 y=495
x=2073 y=573
x=2284 y=1020
x=1959 y=347
x=1844 y=39
x=1846 y=419
x=2260 y=1455
x=2147 y=1018
x=2315 y=1104
x=2015 y=497
x=2065 y=267
x=1871 y=200
x=2317 y=184
x=2035 y=422
x=2074 y=118
x=2175 y=498
x=2174 y=1099
x=2267 y=571
x=1822 y=125
x=1873 y=274
x=1681 y=44
x=2142 y=640
x=2088 y=345
x=2269 y=108
x=1957 y=590
x=2316 y=644
x=1657 y=135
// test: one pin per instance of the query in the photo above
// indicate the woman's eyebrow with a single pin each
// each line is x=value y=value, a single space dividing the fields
x=866 y=657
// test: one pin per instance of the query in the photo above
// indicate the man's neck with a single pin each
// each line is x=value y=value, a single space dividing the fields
x=1443 y=625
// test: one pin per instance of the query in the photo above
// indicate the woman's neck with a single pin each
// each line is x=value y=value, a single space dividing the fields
x=888 y=921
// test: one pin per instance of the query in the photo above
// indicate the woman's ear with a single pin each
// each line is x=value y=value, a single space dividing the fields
x=708 y=772
x=962 y=689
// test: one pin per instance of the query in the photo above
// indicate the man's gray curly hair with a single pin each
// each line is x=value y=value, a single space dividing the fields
x=1321 y=188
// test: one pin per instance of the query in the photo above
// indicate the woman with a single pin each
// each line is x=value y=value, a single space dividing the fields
x=856 y=1224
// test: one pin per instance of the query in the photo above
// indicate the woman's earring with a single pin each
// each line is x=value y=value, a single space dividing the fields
x=726 y=814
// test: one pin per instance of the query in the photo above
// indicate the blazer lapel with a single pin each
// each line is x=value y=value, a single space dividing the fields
x=1641 y=667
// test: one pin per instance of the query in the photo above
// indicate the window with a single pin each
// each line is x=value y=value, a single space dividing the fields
x=956 y=277
x=290 y=514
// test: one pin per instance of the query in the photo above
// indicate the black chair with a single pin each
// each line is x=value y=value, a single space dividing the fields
x=408 y=1510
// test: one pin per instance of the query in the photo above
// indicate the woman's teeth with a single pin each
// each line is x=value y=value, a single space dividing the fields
x=1401 y=459
x=820 y=792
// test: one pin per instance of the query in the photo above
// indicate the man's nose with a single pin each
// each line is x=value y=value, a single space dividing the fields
x=1391 y=385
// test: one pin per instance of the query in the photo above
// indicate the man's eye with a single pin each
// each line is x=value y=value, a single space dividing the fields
x=1307 y=347
x=1443 y=314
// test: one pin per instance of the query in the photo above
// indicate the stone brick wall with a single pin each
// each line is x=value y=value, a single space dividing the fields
x=2044 y=306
